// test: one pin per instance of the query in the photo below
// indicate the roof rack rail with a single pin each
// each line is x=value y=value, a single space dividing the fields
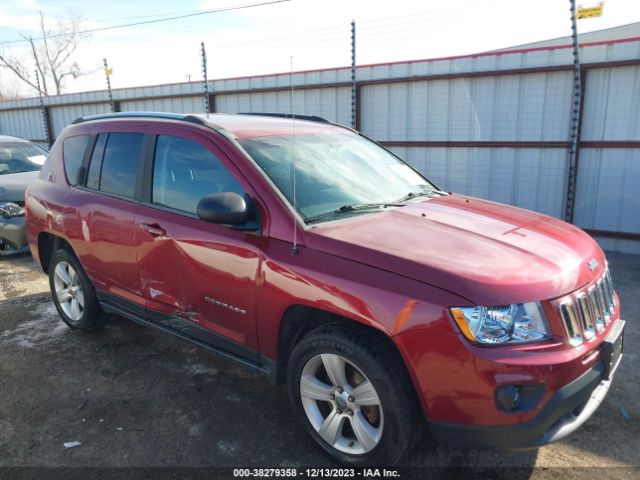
x=160 y=115
x=311 y=118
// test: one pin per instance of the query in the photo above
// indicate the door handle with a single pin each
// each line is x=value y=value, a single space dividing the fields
x=154 y=229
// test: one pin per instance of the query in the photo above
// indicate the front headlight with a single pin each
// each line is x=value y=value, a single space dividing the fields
x=519 y=323
x=9 y=209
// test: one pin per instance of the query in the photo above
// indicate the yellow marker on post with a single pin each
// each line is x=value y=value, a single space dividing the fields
x=108 y=71
x=589 y=12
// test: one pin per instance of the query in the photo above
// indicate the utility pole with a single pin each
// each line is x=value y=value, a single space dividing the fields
x=43 y=112
x=207 y=107
x=353 y=74
x=107 y=73
x=575 y=119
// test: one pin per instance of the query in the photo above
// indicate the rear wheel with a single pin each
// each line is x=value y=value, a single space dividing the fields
x=73 y=294
x=352 y=400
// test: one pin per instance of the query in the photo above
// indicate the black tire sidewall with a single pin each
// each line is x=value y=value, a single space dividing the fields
x=397 y=411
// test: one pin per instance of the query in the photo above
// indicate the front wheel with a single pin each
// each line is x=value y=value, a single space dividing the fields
x=351 y=397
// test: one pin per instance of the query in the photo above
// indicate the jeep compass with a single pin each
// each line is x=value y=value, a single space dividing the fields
x=311 y=254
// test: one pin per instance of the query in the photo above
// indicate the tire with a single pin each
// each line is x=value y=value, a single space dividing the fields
x=73 y=294
x=385 y=417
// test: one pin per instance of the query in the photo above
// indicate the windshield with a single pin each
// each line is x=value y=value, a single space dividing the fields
x=334 y=170
x=20 y=157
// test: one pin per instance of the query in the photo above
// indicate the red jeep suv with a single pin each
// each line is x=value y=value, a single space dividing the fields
x=311 y=254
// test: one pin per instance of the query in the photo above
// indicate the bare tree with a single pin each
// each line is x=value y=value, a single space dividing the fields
x=51 y=55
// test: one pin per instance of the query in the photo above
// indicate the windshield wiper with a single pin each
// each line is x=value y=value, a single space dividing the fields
x=351 y=208
x=411 y=195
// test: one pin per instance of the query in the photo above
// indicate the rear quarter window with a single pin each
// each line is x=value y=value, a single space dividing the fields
x=93 y=175
x=72 y=154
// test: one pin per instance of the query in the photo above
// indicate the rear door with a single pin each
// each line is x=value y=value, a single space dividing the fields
x=196 y=276
x=106 y=208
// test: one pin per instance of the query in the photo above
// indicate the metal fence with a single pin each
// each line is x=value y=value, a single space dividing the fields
x=492 y=125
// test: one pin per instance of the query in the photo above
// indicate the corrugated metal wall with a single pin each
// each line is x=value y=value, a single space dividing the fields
x=524 y=107
x=25 y=123
x=334 y=104
x=510 y=107
x=494 y=126
x=609 y=178
x=63 y=116
x=528 y=178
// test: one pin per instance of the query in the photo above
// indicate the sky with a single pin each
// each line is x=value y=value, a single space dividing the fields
x=263 y=39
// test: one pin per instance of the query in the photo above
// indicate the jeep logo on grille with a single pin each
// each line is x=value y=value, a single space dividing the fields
x=593 y=264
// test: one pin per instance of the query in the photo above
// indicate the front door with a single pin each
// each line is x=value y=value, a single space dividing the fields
x=196 y=276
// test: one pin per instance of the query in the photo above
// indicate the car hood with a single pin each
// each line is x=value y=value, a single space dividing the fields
x=489 y=253
x=13 y=185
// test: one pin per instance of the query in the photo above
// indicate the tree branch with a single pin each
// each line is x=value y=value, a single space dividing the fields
x=40 y=68
x=65 y=74
x=46 y=50
x=62 y=45
x=53 y=57
x=6 y=63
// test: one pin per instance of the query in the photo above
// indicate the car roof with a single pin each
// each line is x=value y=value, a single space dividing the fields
x=250 y=126
x=13 y=140
x=240 y=126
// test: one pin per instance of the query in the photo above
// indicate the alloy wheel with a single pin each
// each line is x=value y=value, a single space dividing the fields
x=69 y=291
x=341 y=404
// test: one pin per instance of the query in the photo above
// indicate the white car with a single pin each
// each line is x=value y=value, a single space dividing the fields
x=20 y=163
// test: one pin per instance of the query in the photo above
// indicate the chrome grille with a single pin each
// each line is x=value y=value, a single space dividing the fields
x=586 y=312
x=586 y=316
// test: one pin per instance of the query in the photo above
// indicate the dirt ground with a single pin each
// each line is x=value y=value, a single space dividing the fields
x=136 y=397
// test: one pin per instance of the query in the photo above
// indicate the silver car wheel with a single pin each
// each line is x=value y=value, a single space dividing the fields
x=341 y=404
x=68 y=291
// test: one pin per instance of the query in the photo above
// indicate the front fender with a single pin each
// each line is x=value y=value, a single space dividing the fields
x=376 y=298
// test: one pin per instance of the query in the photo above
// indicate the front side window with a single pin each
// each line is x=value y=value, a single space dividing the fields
x=184 y=172
x=120 y=163
x=333 y=171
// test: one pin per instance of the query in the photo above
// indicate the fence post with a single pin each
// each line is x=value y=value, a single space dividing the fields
x=207 y=104
x=576 y=120
x=44 y=113
x=578 y=142
x=354 y=93
x=107 y=74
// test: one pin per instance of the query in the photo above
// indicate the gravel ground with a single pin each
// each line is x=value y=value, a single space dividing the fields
x=136 y=397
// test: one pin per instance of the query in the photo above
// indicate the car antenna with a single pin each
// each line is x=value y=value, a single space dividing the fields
x=294 y=249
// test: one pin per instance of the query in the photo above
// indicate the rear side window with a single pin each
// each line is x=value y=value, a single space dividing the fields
x=93 y=176
x=73 y=152
x=184 y=172
x=120 y=163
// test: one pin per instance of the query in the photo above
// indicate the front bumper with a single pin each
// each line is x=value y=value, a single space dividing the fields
x=13 y=237
x=568 y=409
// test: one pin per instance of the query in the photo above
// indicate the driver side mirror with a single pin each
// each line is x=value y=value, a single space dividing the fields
x=227 y=208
